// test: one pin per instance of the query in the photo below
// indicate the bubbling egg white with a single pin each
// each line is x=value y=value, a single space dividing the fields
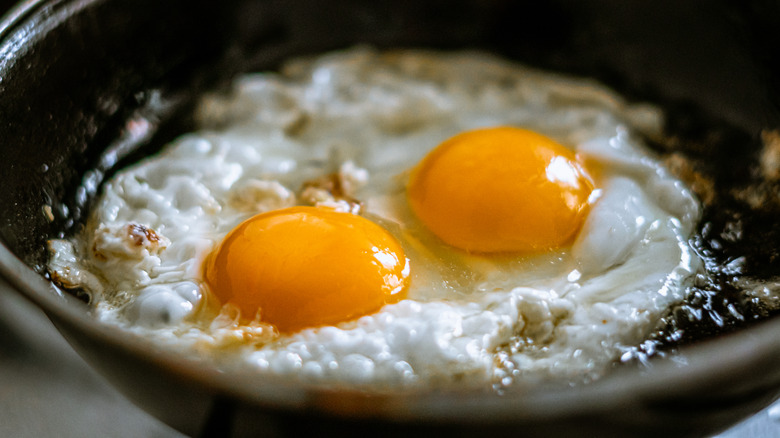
x=343 y=131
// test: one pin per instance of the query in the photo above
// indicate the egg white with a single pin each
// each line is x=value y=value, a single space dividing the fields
x=370 y=117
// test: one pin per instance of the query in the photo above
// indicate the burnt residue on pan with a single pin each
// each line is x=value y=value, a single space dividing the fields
x=737 y=179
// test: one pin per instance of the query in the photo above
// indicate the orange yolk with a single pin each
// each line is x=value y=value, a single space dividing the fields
x=306 y=267
x=500 y=189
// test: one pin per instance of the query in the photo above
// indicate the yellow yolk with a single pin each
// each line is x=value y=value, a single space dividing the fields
x=500 y=189
x=306 y=267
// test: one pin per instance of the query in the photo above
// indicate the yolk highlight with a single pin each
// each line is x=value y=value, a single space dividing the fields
x=500 y=189
x=306 y=267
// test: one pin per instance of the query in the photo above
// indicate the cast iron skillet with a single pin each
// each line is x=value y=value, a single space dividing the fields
x=87 y=86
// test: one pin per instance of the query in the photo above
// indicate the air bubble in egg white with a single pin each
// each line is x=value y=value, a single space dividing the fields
x=162 y=305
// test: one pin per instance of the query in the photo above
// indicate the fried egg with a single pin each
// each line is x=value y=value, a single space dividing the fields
x=396 y=219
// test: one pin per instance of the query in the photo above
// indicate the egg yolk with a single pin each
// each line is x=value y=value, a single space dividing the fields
x=500 y=189
x=306 y=267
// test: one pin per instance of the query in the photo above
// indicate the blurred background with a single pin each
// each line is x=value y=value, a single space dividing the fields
x=46 y=389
